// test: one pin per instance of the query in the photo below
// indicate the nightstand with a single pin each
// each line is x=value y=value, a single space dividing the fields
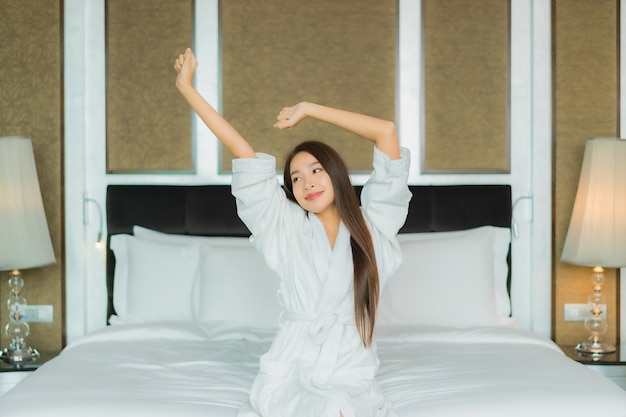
x=10 y=375
x=611 y=365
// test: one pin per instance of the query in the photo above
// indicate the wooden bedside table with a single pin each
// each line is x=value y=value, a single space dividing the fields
x=11 y=375
x=611 y=365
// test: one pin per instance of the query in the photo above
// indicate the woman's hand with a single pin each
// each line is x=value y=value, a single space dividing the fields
x=289 y=117
x=185 y=65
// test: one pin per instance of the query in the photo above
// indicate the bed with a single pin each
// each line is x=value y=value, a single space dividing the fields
x=192 y=306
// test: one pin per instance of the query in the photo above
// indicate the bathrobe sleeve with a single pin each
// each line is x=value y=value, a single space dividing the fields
x=262 y=205
x=385 y=201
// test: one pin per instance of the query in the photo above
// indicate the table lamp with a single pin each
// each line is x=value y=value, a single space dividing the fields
x=597 y=231
x=24 y=237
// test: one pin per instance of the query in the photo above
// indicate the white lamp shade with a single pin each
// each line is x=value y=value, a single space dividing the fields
x=597 y=229
x=24 y=235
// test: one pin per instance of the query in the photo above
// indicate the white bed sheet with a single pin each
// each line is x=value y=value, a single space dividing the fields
x=192 y=369
x=489 y=371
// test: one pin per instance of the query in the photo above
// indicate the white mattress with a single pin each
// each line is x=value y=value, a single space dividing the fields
x=190 y=369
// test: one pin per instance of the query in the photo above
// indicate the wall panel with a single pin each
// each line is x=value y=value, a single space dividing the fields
x=148 y=123
x=585 y=105
x=466 y=86
x=278 y=53
x=30 y=105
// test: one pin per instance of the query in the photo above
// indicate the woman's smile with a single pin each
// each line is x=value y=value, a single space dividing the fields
x=313 y=196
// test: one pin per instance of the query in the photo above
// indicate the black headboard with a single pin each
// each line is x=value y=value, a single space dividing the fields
x=209 y=210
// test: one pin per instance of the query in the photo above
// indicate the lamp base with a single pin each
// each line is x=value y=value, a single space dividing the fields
x=19 y=356
x=595 y=348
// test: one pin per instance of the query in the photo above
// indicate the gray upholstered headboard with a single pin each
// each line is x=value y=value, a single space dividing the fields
x=209 y=210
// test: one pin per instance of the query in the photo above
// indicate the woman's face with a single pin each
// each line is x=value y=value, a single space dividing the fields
x=312 y=186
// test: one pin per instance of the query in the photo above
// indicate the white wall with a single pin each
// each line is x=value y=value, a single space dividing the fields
x=530 y=148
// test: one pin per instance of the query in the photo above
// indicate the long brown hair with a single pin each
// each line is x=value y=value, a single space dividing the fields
x=366 y=286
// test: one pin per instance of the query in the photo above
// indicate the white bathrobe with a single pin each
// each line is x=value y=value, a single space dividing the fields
x=317 y=365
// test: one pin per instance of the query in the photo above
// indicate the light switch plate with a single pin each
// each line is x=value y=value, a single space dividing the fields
x=39 y=314
x=579 y=312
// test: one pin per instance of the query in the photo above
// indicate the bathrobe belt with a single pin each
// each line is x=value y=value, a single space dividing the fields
x=326 y=332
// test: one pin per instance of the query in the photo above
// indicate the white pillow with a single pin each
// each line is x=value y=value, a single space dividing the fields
x=449 y=279
x=145 y=233
x=235 y=282
x=237 y=285
x=153 y=281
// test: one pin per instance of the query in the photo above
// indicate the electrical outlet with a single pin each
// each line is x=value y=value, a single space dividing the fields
x=580 y=312
x=39 y=314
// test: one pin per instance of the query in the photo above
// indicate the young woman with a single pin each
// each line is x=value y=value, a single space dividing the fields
x=332 y=256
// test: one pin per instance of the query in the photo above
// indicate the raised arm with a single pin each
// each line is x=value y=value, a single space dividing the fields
x=186 y=65
x=381 y=132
